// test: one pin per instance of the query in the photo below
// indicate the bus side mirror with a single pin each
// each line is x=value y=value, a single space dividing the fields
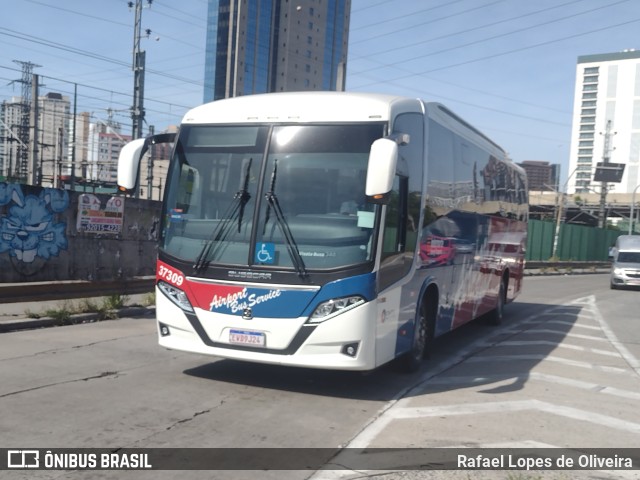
x=130 y=156
x=381 y=170
x=129 y=165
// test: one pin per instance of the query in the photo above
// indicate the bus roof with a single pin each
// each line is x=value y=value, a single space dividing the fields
x=452 y=121
x=304 y=107
x=320 y=107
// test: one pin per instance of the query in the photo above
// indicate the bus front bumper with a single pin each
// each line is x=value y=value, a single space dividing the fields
x=344 y=342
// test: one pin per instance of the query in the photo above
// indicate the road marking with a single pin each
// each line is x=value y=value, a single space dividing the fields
x=566 y=334
x=516 y=406
x=543 y=377
x=396 y=409
x=571 y=324
x=502 y=359
x=524 y=343
x=633 y=362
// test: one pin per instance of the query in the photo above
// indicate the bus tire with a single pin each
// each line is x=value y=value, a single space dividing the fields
x=497 y=314
x=423 y=336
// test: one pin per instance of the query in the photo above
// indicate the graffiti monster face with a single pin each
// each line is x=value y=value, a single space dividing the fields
x=29 y=230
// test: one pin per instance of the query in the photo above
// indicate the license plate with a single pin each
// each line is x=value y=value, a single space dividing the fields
x=247 y=337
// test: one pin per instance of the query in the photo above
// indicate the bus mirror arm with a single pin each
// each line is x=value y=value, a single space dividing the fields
x=130 y=156
x=381 y=170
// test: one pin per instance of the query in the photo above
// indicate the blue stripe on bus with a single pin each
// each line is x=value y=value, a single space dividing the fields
x=363 y=285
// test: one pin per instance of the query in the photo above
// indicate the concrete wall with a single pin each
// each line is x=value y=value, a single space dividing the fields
x=49 y=234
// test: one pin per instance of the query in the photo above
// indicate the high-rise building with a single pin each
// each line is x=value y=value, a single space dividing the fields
x=53 y=132
x=82 y=126
x=52 y=140
x=11 y=116
x=104 y=145
x=606 y=120
x=259 y=46
x=542 y=176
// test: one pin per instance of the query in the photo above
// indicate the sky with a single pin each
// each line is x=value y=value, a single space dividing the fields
x=506 y=66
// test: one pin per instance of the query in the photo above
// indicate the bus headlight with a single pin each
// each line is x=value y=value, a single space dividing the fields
x=176 y=295
x=333 y=307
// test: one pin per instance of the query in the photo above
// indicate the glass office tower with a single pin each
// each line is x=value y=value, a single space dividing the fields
x=259 y=46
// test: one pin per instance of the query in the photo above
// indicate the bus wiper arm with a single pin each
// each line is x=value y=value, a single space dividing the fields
x=220 y=234
x=244 y=194
x=292 y=247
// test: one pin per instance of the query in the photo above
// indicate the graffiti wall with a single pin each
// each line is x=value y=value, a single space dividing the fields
x=50 y=234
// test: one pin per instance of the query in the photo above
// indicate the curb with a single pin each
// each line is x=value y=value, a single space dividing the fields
x=12 y=325
x=537 y=269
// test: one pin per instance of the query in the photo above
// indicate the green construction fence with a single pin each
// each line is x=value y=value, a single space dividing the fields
x=575 y=242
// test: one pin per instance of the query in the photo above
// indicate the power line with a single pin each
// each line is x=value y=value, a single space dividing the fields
x=510 y=19
x=75 y=12
x=84 y=53
x=33 y=39
x=383 y=2
x=529 y=47
x=101 y=89
x=512 y=32
x=508 y=52
x=472 y=29
x=200 y=23
x=386 y=20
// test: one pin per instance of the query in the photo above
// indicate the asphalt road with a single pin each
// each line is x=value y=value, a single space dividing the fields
x=562 y=371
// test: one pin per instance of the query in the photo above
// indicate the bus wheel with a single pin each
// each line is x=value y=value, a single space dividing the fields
x=496 y=315
x=422 y=339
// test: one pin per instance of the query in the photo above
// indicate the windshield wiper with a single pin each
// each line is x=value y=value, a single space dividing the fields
x=292 y=247
x=222 y=230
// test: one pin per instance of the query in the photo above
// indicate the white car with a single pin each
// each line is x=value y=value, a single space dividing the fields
x=625 y=266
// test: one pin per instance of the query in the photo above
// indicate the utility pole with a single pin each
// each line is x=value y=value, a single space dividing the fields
x=10 y=137
x=137 y=110
x=73 y=136
x=150 y=166
x=34 y=164
x=22 y=160
x=58 y=168
x=606 y=156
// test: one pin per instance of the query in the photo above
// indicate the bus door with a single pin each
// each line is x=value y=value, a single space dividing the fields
x=400 y=232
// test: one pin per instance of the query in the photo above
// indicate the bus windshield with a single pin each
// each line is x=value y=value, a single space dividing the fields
x=278 y=196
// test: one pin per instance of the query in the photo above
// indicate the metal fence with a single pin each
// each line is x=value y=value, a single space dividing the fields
x=575 y=242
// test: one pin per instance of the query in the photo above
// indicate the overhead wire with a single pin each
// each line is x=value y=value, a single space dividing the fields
x=387 y=19
x=471 y=29
x=424 y=73
x=373 y=56
x=183 y=80
x=505 y=34
x=20 y=36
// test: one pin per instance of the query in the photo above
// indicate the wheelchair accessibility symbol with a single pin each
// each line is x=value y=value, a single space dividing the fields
x=265 y=253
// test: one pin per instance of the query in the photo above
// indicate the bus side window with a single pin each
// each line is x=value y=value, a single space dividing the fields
x=394 y=238
x=400 y=236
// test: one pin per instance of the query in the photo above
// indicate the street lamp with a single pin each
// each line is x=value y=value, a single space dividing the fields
x=561 y=196
x=633 y=201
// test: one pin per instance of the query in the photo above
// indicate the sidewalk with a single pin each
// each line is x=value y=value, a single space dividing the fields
x=49 y=313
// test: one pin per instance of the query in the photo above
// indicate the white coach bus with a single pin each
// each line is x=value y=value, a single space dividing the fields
x=331 y=230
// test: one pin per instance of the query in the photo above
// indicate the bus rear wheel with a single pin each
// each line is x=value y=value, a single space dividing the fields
x=497 y=314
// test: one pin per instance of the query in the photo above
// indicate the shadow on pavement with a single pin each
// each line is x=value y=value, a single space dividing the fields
x=504 y=361
x=458 y=353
